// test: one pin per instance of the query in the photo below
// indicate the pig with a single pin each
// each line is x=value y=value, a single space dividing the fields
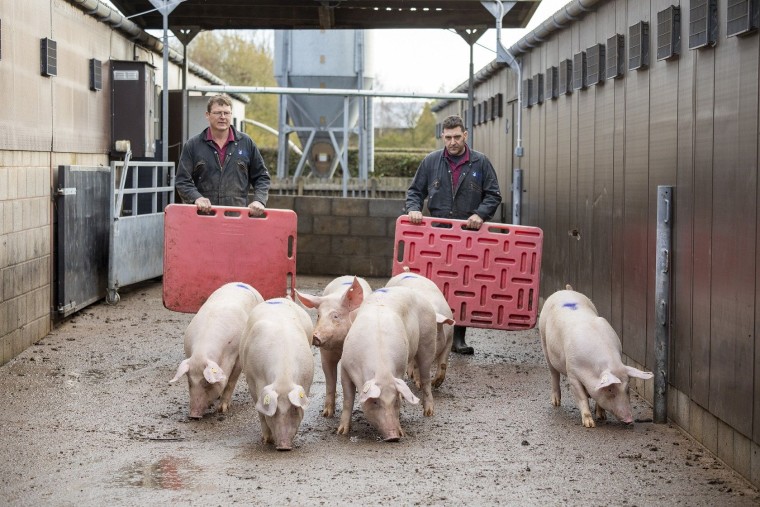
x=393 y=326
x=584 y=347
x=275 y=355
x=340 y=297
x=445 y=333
x=211 y=346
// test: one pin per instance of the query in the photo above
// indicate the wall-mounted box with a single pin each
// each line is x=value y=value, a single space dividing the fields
x=133 y=106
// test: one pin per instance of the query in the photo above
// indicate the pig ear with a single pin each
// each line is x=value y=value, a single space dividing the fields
x=370 y=389
x=354 y=296
x=308 y=300
x=442 y=319
x=267 y=403
x=298 y=397
x=402 y=388
x=183 y=368
x=607 y=379
x=633 y=372
x=213 y=373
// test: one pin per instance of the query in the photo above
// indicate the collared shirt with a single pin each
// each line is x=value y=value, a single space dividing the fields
x=456 y=162
x=223 y=150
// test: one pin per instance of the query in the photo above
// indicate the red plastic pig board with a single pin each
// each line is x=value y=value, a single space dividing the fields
x=202 y=252
x=489 y=277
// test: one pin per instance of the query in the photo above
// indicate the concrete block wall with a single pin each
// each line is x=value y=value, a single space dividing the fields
x=25 y=250
x=343 y=236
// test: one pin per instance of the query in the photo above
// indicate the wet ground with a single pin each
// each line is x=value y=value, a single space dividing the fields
x=89 y=419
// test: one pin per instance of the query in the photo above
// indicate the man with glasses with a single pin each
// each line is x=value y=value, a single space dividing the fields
x=218 y=166
x=459 y=183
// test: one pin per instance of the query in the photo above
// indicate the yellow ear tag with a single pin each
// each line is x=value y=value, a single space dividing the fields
x=301 y=394
x=213 y=370
x=366 y=388
x=266 y=400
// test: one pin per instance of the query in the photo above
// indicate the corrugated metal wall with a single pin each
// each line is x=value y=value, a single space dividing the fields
x=593 y=161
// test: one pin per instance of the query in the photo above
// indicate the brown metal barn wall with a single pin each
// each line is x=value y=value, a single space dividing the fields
x=601 y=203
x=593 y=161
x=683 y=233
x=734 y=226
x=549 y=206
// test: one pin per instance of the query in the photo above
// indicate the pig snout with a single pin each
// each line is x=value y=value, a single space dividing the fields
x=284 y=446
x=392 y=436
x=316 y=340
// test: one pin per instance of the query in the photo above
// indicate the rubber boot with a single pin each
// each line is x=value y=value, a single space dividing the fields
x=459 y=346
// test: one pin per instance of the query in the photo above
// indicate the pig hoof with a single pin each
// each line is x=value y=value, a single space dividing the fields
x=588 y=422
x=328 y=412
x=556 y=401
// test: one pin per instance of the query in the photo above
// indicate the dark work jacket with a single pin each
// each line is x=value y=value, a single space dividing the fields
x=477 y=190
x=200 y=173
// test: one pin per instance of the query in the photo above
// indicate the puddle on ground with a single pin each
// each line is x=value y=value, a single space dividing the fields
x=167 y=473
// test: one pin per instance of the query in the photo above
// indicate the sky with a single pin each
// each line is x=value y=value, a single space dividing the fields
x=439 y=60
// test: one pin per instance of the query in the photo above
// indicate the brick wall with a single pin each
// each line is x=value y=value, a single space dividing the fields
x=343 y=236
x=25 y=247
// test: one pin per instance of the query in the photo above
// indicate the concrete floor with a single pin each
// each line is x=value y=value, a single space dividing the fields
x=89 y=419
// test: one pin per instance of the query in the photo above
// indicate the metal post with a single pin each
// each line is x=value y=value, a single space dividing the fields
x=516 y=195
x=344 y=155
x=165 y=95
x=662 y=301
x=471 y=100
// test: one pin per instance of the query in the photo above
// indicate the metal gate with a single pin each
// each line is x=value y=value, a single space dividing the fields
x=82 y=198
x=108 y=236
x=137 y=222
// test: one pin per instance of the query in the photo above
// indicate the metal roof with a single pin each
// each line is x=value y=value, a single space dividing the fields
x=313 y=14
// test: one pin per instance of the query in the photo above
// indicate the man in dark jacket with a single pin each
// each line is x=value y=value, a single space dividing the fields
x=459 y=183
x=219 y=165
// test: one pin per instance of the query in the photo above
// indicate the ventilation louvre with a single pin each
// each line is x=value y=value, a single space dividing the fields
x=486 y=111
x=551 y=90
x=579 y=71
x=565 y=77
x=741 y=17
x=527 y=92
x=538 y=88
x=669 y=33
x=48 y=57
x=595 y=66
x=615 y=56
x=638 y=50
x=96 y=75
x=703 y=23
x=499 y=105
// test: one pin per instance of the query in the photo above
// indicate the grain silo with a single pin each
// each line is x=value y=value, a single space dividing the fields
x=324 y=59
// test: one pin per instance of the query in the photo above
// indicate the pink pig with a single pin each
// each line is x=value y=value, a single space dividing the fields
x=211 y=346
x=340 y=297
x=392 y=328
x=275 y=355
x=445 y=333
x=580 y=344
